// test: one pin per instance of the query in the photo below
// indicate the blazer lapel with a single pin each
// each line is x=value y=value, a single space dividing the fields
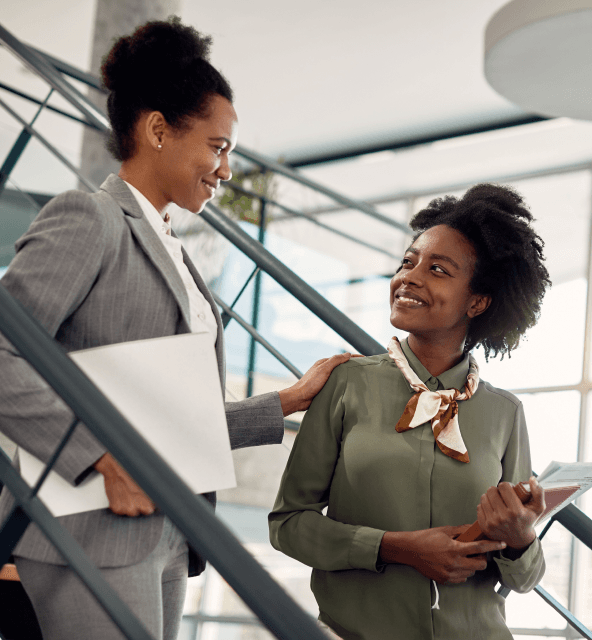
x=149 y=241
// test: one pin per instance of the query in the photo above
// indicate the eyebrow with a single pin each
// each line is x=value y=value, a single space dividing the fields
x=226 y=140
x=435 y=256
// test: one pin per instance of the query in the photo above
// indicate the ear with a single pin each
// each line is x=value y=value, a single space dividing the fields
x=479 y=304
x=155 y=127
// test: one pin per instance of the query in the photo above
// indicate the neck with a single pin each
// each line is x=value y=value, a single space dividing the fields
x=436 y=356
x=136 y=174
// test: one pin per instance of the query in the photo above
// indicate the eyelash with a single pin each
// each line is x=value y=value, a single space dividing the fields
x=406 y=261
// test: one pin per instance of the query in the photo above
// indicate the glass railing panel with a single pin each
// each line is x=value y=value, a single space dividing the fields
x=540 y=409
x=583 y=555
x=529 y=612
x=209 y=596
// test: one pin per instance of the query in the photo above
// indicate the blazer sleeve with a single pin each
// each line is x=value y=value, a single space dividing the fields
x=297 y=526
x=524 y=573
x=57 y=261
x=255 y=421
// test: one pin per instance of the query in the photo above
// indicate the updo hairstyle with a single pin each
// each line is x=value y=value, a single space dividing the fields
x=510 y=263
x=162 y=66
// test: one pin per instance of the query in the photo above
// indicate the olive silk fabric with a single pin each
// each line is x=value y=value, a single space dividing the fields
x=349 y=458
x=439 y=407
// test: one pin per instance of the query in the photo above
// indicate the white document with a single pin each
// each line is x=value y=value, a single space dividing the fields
x=169 y=390
x=559 y=476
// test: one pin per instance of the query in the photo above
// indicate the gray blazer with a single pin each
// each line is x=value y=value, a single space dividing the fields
x=92 y=270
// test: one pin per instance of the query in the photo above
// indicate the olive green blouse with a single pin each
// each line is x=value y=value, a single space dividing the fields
x=349 y=459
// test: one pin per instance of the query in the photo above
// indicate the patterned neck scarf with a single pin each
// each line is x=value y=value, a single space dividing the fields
x=439 y=407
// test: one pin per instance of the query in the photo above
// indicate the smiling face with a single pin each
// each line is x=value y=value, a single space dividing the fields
x=430 y=294
x=193 y=161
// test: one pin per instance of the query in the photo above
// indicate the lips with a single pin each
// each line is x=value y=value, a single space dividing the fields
x=409 y=300
x=210 y=187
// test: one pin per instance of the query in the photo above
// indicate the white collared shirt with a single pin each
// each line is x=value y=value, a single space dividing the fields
x=201 y=315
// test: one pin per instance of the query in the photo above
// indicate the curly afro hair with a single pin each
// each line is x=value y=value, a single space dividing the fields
x=162 y=66
x=510 y=263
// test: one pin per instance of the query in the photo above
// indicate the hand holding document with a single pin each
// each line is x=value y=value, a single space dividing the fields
x=169 y=390
x=562 y=482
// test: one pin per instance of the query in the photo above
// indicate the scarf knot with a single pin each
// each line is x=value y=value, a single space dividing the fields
x=438 y=407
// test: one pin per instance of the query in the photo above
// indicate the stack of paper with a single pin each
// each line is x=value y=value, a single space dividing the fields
x=169 y=390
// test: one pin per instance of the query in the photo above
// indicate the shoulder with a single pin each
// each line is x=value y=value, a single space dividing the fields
x=82 y=202
x=366 y=363
x=498 y=396
x=79 y=209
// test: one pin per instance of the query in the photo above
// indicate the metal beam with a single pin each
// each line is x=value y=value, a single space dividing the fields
x=397 y=145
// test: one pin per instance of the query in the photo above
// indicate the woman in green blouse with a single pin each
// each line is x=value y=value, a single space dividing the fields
x=402 y=465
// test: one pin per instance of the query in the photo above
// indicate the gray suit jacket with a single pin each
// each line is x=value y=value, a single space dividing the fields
x=92 y=270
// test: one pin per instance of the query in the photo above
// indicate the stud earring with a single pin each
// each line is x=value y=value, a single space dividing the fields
x=159 y=146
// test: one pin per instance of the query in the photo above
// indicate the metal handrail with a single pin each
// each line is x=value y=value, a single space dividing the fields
x=34 y=510
x=302 y=291
x=190 y=513
x=257 y=336
x=288 y=172
x=307 y=216
x=41 y=67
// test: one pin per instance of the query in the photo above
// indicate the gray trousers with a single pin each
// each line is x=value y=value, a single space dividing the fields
x=154 y=590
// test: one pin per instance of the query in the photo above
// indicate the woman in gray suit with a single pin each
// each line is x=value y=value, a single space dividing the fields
x=102 y=268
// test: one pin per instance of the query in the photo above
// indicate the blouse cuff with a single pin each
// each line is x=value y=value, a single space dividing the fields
x=363 y=553
x=521 y=564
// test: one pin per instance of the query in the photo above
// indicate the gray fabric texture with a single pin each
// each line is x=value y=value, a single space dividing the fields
x=154 y=590
x=92 y=270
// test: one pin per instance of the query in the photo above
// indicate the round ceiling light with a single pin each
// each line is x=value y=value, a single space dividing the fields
x=538 y=55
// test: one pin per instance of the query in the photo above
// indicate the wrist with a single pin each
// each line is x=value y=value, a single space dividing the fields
x=291 y=401
x=397 y=547
x=105 y=463
x=521 y=545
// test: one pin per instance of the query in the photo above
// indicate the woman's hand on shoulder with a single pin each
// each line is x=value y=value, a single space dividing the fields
x=502 y=516
x=436 y=554
x=299 y=396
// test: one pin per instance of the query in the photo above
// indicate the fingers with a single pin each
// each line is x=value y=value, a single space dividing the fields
x=125 y=503
x=125 y=496
x=511 y=500
x=537 y=502
x=500 y=497
x=482 y=546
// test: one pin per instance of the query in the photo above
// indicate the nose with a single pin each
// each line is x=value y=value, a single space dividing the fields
x=223 y=172
x=412 y=275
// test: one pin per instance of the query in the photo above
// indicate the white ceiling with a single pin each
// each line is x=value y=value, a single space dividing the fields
x=315 y=76
x=319 y=75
